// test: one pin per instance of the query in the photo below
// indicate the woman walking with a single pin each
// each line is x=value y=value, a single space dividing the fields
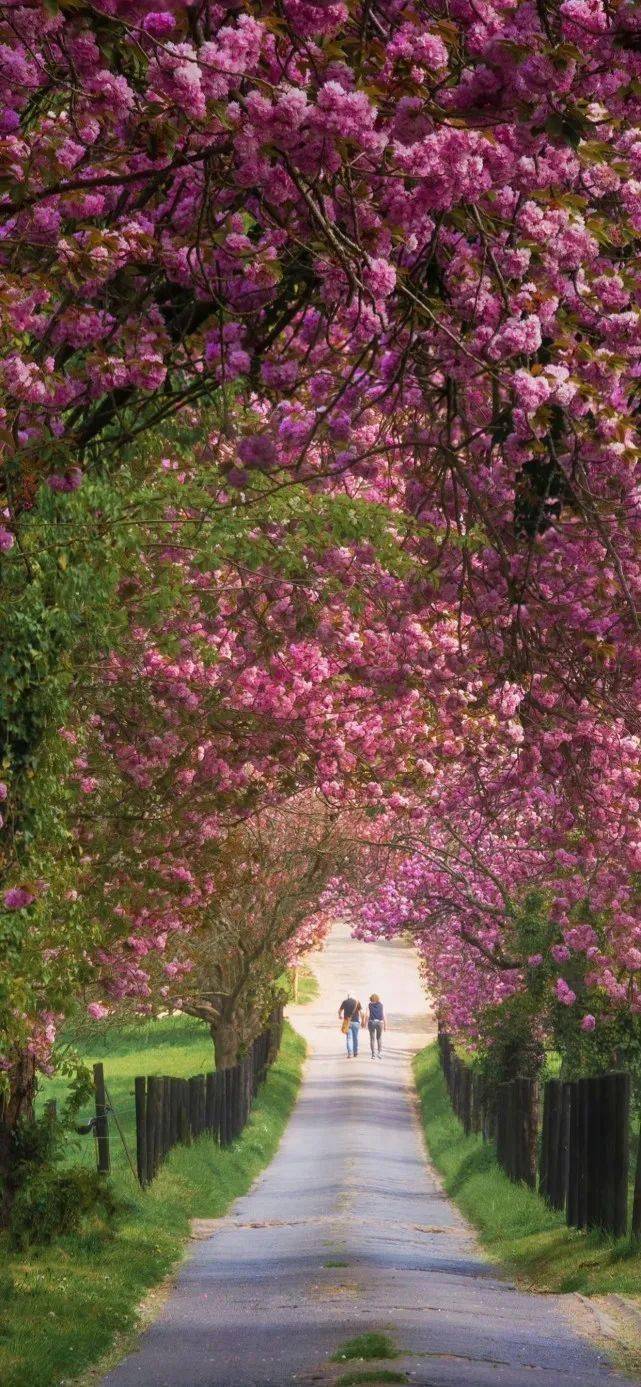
x=376 y=1024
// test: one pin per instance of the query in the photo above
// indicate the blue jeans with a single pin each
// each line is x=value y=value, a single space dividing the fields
x=352 y=1038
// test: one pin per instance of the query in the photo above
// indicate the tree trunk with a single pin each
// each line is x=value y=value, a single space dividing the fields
x=226 y=1043
x=15 y=1107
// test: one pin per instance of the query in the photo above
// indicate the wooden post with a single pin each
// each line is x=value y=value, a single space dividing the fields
x=593 y=1101
x=572 y=1205
x=193 y=1106
x=174 y=1104
x=582 y=1193
x=140 y=1090
x=467 y=1100
x=159 y=1123
x=511 y=1130
x=238 y=1100
x=250 y=1082
x=636 y=1201
x=209 y=1103
x=184 y=1129
x=621 y=1154
x=295 y=985
x=607 y=1139
x=102 y=1124
x=202 y=1105
x=166 y=1116
x=560 y=1193
x=149 y=1122
x=550 y=1134
x=152 y=1084
x=224 y=1114
x=218 y=1090
x=545 y=1159
x=500 y=1124
x=229 y=1106
x=159 y=1091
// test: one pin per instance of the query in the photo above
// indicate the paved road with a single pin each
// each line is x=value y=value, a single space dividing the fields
x=349 y=1231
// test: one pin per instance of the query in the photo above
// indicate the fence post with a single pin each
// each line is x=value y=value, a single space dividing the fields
x=184 y=1129
x=593 y=1196
x=532 y=1093
x=467 y=1100
x=236 y=1101
x=636 y=1201
x=209 y=1103
x=102 y=1124
x=545 y=1159
x=227 y=1107
x=560 y=1193
x=218 y=1105
x=194 y=1102
x=152 y=1101
x=550 y=1135
x=202 y=1104
x=571 y=1214
x=501 y=1098
x=511 y=1129
x=166 y=1116
x=621 y=1154
x=174 y=1104
x=582 y=1192
x=140 y=1090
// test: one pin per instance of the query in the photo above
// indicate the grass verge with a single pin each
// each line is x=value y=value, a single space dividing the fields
x=515 y=1226
x=305 y=987
x=369 y=1345
x=373 y=1376
x=61 y=1307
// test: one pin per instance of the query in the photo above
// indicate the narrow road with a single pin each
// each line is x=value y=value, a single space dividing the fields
x=349 y=1231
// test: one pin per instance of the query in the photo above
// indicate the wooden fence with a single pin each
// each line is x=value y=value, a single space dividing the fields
x=575 y=1136
x=173 y=1111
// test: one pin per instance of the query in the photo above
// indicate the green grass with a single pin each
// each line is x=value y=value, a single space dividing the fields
x=370 y=1375
x=308 y=987
x=369 y=1345
x=62 y=1306
x=515 y=1226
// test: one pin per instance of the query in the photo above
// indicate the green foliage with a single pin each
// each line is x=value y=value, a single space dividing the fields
x=58 y=615
x=511 y=1045
x=36 y=1143
x=56 y=1203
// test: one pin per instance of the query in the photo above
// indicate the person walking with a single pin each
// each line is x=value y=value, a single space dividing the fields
x=376 y=1024
x=351 y=1014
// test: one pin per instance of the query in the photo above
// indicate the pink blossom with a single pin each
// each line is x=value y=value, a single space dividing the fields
x=97 y=1011
x=18 y=897
x=564 y=993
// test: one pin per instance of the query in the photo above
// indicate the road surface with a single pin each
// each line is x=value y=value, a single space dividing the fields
x=348 y=1231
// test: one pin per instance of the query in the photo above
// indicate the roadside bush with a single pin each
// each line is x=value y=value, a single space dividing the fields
x=53 y=1203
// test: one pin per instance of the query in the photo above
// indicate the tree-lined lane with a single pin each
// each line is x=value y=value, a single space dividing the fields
x=349 y=1231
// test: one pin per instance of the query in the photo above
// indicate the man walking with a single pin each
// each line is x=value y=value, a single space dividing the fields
x=351 y=1014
